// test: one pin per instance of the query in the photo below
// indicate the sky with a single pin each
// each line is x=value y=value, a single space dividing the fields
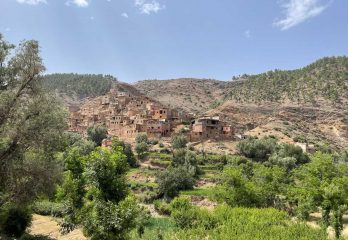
x=165 y=39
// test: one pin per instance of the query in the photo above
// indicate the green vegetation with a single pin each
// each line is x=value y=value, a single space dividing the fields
x=31 y=134
x=82 y=85
x=97 y=133
x=142 y=146
x=325 y=78
x=239 y=223
x=267 y=191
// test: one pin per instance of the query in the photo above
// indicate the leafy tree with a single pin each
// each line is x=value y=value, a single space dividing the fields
x=141 y=138
x=32 y=123
x=260 y=186
x=97 y=133
x=142 y=146
x=109 y=213
x=179 y=141
x=258 y=149
x=323 y=184
x=187 y=159
x=288 y=156
x=127 y=150
x=172 y=180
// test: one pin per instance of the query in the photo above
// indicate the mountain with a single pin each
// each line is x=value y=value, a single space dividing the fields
x=188 y=94
x=306 y=105
x=73 y=88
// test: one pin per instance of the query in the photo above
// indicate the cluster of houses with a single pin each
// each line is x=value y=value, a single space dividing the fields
x=126 y=115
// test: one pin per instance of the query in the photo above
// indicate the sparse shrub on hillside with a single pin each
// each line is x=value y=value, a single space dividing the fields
x=300 y=139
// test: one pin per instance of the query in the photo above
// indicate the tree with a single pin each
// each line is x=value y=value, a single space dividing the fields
x=141 y=138
x=142 y=146
x=97 y=133
x=179 y=141
x=127 y=150
x=323 y=184
x=32 y=123
x=187 y=159
x=172 y=180
x=258 y=149
x=109 y=213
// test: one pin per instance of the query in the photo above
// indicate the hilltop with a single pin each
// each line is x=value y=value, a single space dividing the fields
x=189 y=94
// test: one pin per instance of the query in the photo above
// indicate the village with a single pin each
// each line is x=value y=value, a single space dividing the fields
x=126 y=115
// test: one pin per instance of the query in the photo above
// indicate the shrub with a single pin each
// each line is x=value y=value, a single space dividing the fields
x=241 y=223
x=172 y=180
x=258 y=149
x=162 y=207
x=50 y=208
x=141 y=138
x=97 y=133
x=185 y=215
x=142 y=149
x=179 y=141
x=16 y=222
x=108 y=220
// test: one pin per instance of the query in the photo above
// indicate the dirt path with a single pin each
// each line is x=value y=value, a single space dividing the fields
x=48 y=226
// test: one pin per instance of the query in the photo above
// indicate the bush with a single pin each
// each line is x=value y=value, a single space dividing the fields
x=50 y=208
x=97 y=133
x=162 y=207
x=179 y=141
x=142 y=149
x=185 y=215
x=258 y=149
x=172 y=180
x=242 y=223
x=109 y=220
x=141 y=138
x=16 y=222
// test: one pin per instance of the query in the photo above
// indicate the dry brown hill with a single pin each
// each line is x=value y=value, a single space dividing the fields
x=305 y=105
x=189 y=94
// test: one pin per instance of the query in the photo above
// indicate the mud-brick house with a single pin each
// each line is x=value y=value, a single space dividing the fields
x=157 y=129
x=210 y=128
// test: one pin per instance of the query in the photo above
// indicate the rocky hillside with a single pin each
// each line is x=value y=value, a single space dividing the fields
x=189 y=94
x=307 y=105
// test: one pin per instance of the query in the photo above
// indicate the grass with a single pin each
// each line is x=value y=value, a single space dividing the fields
x=155 y=228
x=199 y=192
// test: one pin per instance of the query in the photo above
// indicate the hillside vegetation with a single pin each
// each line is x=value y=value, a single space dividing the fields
x=325 y=79
x=79 y=85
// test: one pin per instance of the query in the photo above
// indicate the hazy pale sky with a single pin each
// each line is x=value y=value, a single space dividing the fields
x=161 y=39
